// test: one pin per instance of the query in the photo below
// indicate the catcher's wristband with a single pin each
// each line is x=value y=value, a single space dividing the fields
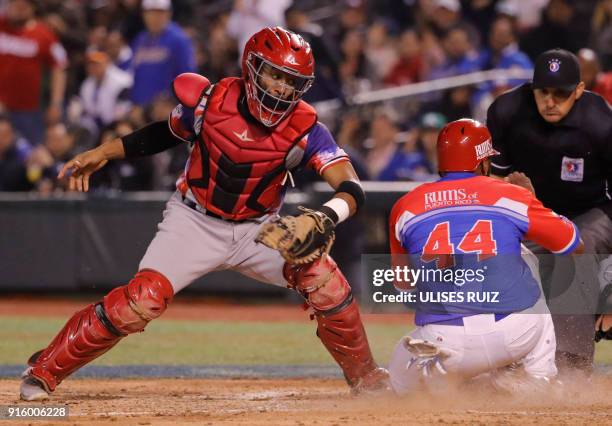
x=336 y=209
x=354 y=189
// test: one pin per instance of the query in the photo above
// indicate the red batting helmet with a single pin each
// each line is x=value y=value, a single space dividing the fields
x=286 y=52
x=463 y=145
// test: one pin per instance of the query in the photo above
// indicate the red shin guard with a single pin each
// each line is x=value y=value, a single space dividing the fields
x=343 y=335
x=339 y=323
x=83 y=339
x=97 y=328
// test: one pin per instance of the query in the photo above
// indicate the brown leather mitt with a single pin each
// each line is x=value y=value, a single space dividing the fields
x=299 y=239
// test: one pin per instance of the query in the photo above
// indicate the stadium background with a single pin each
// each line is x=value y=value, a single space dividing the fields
x=390 y=73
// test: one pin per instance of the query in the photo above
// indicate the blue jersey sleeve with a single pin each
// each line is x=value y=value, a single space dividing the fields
x=321 y=150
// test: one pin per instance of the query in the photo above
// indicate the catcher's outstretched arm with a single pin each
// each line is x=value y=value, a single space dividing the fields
x=302 y=239
x=349 y=195
x=148 y=140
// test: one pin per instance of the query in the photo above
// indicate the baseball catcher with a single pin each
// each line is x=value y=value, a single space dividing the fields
x=247 y=136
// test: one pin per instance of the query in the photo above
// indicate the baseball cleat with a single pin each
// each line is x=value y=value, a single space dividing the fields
x=375 y=382
x=31 y=388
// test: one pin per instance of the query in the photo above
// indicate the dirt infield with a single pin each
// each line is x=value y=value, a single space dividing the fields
x=290 y=401
x=307 y=402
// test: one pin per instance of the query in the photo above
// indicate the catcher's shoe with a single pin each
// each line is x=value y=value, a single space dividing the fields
x=31 y=388
x=375 y=382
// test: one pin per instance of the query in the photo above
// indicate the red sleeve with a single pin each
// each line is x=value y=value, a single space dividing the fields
x=553 y=232
x=394 y=243
x=399 y=256
x=53 y=53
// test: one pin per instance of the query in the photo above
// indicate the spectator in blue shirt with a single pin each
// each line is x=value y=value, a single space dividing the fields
x=503 y=53
x=387 y=159
x=461 y=56
x=14 y=152
x=161 y=52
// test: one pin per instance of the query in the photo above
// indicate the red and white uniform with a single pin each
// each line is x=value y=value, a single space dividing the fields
x=238 y=168
x=246 y=139
x=24 y=52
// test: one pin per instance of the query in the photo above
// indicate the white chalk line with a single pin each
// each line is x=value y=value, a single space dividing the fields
x=540 y=413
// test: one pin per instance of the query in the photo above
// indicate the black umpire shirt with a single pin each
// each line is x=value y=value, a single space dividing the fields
x=569 y=163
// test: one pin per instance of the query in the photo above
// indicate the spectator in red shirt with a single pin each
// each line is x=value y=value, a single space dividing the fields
x=27 y=46
x=409 y=68
x=594 y=79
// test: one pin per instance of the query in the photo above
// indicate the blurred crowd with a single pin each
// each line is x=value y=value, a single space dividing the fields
x=77 y=73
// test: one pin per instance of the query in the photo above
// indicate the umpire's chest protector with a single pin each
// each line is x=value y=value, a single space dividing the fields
x=237 y=167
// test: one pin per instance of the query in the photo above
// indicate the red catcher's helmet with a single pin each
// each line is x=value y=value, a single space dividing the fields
x=462 y=145
x=286 y=52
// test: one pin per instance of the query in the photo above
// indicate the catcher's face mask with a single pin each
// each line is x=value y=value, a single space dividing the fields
x=276 y=90
x=278 y=69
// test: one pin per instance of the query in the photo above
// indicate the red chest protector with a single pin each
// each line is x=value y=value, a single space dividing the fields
x=237 y=168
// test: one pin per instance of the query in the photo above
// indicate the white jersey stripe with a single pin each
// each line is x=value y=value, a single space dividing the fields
x=487 y=209
x=515 y=206
x=399 y=225
x=572 y=241
x=332 y=162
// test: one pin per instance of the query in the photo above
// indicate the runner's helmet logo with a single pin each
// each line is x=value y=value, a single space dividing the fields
x=484 y=149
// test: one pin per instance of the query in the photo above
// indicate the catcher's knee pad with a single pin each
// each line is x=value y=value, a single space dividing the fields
x=97 y=328
x=320 y=282
x=339 y=323
x=129 y=308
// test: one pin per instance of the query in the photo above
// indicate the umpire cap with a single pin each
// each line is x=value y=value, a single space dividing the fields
x=556 y=68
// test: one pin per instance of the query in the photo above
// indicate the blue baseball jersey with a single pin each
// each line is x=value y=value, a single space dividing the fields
x=464 y=234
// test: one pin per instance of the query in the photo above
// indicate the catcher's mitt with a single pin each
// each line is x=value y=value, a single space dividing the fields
x=299 y=239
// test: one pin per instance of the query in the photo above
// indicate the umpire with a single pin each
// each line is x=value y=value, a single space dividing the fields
x=560 y=136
